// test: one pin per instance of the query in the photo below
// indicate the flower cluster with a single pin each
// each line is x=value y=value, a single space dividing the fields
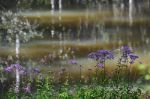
x=127 y=53
x=27 y=89
x=21 y=69
x=101 y=56
x=133 y=58
x=73 y=62
x=12 y=67
x=126 y=50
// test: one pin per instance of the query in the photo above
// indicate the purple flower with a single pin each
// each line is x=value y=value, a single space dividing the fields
x=72 y=61
x=9 y=69
x=126 y=50
x=101 y=65
x=23 y=72
x=105 y=54
x=93 y=55
x=17 y=66
x=27 y=89
x=133 y=58
x=101 y=55
x=12 y=66
x=36 y=70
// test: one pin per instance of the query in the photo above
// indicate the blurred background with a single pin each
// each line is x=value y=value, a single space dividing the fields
x=74 y=28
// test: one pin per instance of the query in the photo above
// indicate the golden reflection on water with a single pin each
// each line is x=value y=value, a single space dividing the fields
x=39 y=50
x=74 y=18
x=103 y=18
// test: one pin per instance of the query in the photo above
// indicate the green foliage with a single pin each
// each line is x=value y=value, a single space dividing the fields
x=97 y=92
x=45 y=89
x=100 y=87
x=64 y=94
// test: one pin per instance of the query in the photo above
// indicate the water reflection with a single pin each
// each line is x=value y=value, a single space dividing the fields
x=95 y=25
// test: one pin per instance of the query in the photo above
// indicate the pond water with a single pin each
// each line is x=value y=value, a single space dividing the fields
x=73 y=32
x=71 y=29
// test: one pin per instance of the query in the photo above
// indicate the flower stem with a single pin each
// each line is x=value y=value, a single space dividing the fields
x=104 y=73
x=80 y=72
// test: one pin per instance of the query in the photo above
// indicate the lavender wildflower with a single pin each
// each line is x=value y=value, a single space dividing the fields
x=73 y=62
x=100 y=65
x=127 y=53
x=27 y=89
x=17 y=66
x=9 y=69
x=23 y=72
x=101 y=56
x=126 y=50
x=105 y=54
x=93 y=55
x=12 y=66
x=36 y=70
x=133 y=58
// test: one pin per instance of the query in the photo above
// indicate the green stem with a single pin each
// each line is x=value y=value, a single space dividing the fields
x=96 y=73
x=80 y=72
x=129 y=75
x=104 y=73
